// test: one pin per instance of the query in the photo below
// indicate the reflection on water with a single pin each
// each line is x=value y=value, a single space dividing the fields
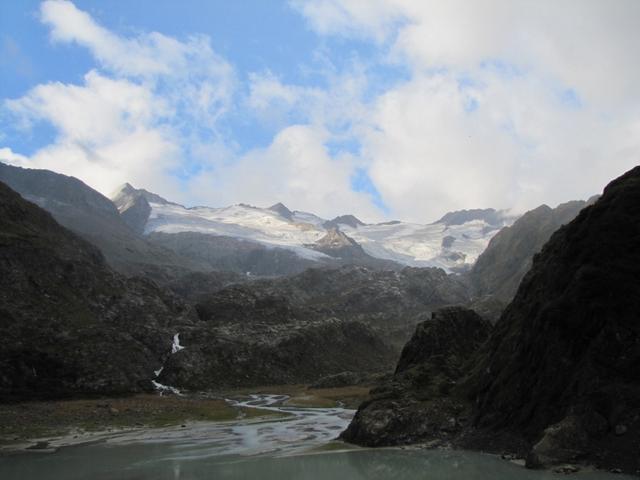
x=265 y=451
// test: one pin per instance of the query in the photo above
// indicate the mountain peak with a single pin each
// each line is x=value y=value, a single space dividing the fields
x=126 y=193
x=349 y=220
x=336 y=239
x=281 y=210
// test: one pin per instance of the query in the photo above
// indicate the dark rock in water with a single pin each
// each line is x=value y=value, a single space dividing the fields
x=69 y=324
x=560 y=369
x=416 y=404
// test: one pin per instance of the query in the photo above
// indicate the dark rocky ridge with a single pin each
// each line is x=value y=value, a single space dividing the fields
x=389 y=302
x=558 y=379
x=94 y=217
x=563 y=361
x=270 y=349
x=69 y=324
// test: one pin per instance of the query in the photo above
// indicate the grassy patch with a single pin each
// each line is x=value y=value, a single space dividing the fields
x=30 y=420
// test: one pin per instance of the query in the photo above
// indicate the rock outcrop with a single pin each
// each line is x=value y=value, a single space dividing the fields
x=558 y=378
x=417 y=403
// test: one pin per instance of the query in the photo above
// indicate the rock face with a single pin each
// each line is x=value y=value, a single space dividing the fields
x=69 y=324
x=134 y=208
x=558 y=378
x=417 y=404
x=346 y=250
x=94 y=217
x=562 y=365
x=500 y=268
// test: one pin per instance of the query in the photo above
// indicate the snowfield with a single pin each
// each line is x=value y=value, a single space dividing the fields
x=406 y=243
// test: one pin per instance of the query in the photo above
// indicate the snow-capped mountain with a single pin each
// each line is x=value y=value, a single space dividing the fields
x=453 y=243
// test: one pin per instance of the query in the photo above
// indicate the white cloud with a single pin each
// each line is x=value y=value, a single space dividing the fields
x=501 y=103
x=549 y=88
x=153 y=101
x=295 y=169
x=12 y=158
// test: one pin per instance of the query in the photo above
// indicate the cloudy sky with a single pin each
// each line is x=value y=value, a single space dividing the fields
x=383 y=108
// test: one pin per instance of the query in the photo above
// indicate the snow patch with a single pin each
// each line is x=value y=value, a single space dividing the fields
x=165 y=388
x=176 y=347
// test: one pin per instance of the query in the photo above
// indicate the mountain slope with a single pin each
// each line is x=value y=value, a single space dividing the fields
x=453 y=245
x=94 y=217
x=557 y=380
x=70 y=325
x=500 y=268
x=564 y=355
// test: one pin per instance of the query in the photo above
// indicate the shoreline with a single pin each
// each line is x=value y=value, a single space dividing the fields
x=45 y=426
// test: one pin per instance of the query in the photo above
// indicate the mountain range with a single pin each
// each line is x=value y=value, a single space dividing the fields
x=530 y=348
x=452 y=243
x=555 y=381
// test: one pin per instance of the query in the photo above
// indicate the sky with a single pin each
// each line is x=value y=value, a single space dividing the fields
x=387 y=109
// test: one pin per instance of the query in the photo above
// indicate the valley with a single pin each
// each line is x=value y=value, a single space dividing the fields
x=218 y=305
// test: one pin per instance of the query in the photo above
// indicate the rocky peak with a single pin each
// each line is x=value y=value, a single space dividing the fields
x=126 y=194
x=336 y=239
x=282 y=210
x=349 y=220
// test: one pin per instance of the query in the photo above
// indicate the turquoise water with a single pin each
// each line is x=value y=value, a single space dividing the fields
x=267 y=450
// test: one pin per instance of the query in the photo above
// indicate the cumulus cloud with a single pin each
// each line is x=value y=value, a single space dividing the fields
x=508 y=104
x=458 y=104
x=295 y=169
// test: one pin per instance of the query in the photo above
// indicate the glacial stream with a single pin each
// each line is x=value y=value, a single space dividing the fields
x=294 y=447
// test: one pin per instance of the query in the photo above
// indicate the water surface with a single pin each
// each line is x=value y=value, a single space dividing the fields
x=289 y=448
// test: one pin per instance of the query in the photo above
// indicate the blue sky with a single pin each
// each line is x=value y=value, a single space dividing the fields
x=389 y=109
